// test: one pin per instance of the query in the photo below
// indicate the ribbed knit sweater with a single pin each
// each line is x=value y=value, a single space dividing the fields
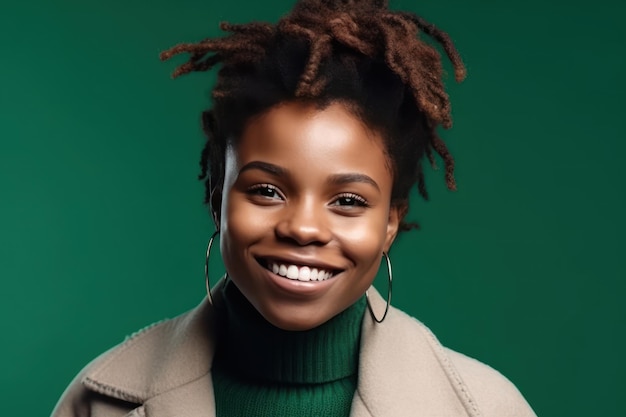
x=263 y=371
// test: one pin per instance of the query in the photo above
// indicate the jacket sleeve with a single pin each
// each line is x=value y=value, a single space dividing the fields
x=494 y=394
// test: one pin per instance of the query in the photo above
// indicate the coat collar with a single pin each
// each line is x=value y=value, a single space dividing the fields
x=403 y=370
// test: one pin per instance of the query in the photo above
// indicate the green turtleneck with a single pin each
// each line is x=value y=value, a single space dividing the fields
x=261 y=370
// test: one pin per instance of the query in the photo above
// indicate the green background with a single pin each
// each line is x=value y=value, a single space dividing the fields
x=102 y=227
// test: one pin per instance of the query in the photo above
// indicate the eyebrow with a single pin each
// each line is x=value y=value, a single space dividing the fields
x=264 y=166
x=340 y=179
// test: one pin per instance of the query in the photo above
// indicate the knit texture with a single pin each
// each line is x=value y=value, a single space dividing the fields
x=261 y=370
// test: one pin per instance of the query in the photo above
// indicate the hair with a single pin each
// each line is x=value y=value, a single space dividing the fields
x=354 y=51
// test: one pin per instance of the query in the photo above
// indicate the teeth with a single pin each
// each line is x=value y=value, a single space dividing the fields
x=300 y=273
x=292 y=272
x=304 y=273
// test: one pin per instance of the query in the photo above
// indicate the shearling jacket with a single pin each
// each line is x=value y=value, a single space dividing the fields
x=165 y=371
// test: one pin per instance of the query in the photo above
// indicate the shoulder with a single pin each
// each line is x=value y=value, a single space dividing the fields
x=405 y=371
x=495 y=394
x=490 y=392
x=153 y=360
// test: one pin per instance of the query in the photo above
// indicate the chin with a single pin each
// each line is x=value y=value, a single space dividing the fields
x=294 y=321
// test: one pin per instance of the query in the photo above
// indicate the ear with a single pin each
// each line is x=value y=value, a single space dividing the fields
x=396 y=213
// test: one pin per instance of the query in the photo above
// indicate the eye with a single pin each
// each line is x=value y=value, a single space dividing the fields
x=350 y=200
x=265 y=190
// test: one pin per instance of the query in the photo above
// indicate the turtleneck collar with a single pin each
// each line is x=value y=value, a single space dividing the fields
x=252 y=348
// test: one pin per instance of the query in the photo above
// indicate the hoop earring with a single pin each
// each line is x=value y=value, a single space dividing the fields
x=206 y=265
x=389 y=279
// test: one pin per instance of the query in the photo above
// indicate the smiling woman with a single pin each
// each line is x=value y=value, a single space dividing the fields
x=317 y=134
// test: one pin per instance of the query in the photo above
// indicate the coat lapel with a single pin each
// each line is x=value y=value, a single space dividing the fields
x=194 y=399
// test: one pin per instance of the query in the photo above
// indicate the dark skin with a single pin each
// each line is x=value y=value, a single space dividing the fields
x=306 y=189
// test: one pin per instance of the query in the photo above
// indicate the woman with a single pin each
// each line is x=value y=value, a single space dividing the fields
x=316 y=136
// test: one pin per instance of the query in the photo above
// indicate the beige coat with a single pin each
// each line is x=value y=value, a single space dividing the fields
x=165 y=371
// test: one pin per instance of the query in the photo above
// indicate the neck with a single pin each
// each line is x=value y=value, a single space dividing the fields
x=254 y=349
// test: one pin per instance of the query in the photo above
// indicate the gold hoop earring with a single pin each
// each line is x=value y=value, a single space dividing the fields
x=390 y=280
x=206 y=265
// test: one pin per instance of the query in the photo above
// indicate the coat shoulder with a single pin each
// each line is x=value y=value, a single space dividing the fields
x=484 y=391
x=492 y=391
x=80 y=399
x=155 y=359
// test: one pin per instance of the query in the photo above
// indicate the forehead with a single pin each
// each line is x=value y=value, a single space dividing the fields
x=301 y=134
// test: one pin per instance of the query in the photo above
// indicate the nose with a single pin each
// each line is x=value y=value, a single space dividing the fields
x=304 y=222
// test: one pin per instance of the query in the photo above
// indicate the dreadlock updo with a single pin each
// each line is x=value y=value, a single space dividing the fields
x=355 y=51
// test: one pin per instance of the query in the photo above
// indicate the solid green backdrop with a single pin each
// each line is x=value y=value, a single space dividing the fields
x=103 y=229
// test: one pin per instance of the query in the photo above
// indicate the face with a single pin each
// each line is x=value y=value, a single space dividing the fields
x=306 y=212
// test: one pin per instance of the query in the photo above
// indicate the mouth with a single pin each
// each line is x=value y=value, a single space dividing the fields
x=296 y=272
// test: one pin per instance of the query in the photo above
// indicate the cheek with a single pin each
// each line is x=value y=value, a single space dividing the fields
x=363 y=239
x=241 y=226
